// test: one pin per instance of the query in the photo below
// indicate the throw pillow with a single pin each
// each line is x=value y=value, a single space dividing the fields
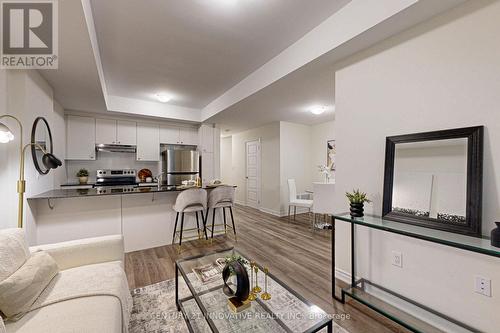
x=13 y=251
x=20 y=290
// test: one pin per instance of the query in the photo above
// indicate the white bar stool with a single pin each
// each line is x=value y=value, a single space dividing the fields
x=221 y=197
x=190 y=201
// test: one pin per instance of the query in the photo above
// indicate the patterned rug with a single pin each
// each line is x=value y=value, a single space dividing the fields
x=154 y=311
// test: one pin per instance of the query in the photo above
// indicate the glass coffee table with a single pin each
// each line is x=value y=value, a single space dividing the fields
x=205 y=308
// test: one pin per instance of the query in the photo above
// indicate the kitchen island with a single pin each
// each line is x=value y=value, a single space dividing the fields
x=144 y=216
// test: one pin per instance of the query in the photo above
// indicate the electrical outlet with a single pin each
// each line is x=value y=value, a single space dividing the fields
x=397 y=259
x=482 y=286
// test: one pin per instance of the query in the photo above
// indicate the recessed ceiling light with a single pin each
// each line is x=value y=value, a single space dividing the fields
x=164 y=98
x=318 y=109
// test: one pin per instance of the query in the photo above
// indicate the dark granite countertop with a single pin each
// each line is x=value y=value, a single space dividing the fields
x=94 y=192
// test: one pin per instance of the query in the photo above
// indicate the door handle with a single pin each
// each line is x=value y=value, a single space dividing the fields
x=246 y=177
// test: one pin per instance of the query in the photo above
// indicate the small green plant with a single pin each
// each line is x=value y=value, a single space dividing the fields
x=356 y=196
x=233 y=258
x=82 y=173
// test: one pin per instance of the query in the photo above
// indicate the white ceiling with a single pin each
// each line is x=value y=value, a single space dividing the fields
x=288 y=99
x=197 y=49
x=237 y=63
x=76 y=83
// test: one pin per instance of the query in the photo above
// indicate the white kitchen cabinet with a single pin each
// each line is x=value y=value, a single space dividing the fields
x=173 y=135
x=105 y=131
x=148 y=142
x=126 y=132
x=206 y=138
x=188 y=136
x=110 y=131
x=80 y=138
x=207 y=167
x=169 y=135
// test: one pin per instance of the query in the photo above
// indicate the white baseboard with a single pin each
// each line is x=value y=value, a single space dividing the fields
x=241 y=203
x=342 y=275
x=270 y=211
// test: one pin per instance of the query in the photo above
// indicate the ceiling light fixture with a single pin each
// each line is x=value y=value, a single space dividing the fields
x=163 y=98
x=318 y=109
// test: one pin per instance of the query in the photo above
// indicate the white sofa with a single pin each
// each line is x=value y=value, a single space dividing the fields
x=87 y=314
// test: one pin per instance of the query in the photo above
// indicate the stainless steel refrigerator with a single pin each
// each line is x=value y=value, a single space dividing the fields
x=179 y=164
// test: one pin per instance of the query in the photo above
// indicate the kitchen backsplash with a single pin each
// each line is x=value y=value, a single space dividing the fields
x=109 y=161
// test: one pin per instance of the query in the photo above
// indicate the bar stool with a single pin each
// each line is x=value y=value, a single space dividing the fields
x=221 y=197
x=190 y=201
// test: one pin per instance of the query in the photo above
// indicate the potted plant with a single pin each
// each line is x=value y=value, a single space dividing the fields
x=357 y=200
x=83 y=176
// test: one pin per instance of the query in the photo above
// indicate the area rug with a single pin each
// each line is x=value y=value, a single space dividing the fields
x=154 y=311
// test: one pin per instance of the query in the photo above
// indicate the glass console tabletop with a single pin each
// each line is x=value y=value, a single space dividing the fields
x=205 y=306
x=474 y=244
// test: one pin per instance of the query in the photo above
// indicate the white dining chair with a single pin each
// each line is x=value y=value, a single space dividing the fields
x=295 y=202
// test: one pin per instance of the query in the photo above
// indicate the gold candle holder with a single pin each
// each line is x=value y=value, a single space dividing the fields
x=252 y=296
x=265 y=296
x=256 y=289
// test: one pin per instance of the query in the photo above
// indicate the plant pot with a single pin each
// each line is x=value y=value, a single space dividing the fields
x=495 y=235
x=83 y=180
x=357 y=209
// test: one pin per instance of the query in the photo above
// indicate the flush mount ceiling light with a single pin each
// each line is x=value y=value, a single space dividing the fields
x=163 y=98
x=318 y=109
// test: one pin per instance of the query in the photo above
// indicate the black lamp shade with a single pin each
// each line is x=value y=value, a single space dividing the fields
x=50 y=161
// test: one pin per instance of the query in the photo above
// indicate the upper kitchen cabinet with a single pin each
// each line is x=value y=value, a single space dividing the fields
x=148 y=142
x=105 y=131
x=169 y=135
x=178 y=135
x=80 y=137
x=206 y=138
x=126 y=132
x=188 y=136
x=120 y=132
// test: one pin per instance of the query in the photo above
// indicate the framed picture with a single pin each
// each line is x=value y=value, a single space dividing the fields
x=330 y=154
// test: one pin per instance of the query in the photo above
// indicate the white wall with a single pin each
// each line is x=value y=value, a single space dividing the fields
x=442 y=74
x=226 y=159
x=295 y=159
x=28 y=96
x=320 y=134
x=270 y=150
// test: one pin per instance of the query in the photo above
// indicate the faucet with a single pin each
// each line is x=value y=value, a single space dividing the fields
x=159 y=179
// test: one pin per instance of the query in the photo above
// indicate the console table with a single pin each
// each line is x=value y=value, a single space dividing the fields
x=390 y=304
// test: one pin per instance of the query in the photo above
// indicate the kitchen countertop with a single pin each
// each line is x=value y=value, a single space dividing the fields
x=94 y=192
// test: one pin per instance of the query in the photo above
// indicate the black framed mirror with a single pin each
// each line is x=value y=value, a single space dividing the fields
x=435 y=179
x=41 y=136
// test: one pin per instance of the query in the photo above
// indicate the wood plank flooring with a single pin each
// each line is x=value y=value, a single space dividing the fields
x=293 y=253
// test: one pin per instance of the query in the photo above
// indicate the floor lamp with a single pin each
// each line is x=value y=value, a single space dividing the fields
x=49 y=160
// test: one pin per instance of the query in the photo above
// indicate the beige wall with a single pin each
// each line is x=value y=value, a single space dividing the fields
x=442 y=74
x=28 y=96
x=295 y=159
x=320 y=134
x=289 y=151
x=270 y=148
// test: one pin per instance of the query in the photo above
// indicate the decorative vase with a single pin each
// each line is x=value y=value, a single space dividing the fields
x=357 y=209
x=83 y=180
x=495 y=235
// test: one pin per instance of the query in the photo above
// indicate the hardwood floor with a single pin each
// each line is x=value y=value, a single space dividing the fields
x=293 y=253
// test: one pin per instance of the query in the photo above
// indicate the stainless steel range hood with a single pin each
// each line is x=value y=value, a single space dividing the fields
x=115 y=148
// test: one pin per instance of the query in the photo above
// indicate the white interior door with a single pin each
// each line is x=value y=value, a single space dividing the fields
x=253 y=173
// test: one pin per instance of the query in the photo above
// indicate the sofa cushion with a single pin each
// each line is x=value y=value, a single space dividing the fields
x=87 y=314
x=13 y=251
x=20 y=290
x=2 y=326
